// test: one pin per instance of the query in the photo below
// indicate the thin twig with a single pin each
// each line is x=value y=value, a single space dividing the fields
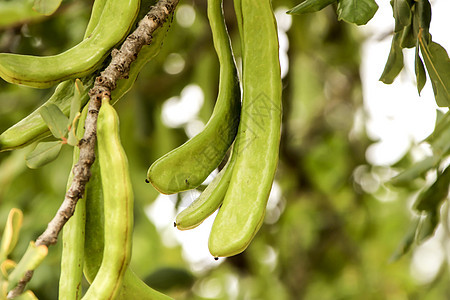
x=104 y=84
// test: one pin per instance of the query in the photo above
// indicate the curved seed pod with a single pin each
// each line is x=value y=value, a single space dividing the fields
x=257 y=141
x=118 y=206
x=73 y=237
x=208 y=201
x=95 y=229
x=97 y=10
x=115 y=21
x=132 y=286
x=187 y=166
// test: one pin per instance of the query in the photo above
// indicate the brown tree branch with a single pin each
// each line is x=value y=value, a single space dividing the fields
x=104 y=84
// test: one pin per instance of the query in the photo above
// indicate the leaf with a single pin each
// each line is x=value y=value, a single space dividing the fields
x=427 y=227
x=415 y=171
x=11 y=232
x=75 y=105
x=43 y=154
x=440 y=138
x=30 y=261
x=423 y=9
x=419 y=69
x=71 y=139
x=438 y=67
x=55 y=120
x=402 y=14
x=46 y=7
x=409 y=39
x=407 y=241
x=394 y=63
x=358 y=12
x=430 y=199
x=310 y=6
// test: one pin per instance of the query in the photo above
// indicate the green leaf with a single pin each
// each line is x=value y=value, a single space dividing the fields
x=423 y=9
x=46 y=7
x=438 y=67
x=310 y=6
x=409 y=39
x=11 y=233
x=75 y=111
x=30 y=261
x=71 y=139
x=431 y=198
x=427 y=226
x=402 y=14
x=43 y=154
x=358 y=12
x=407 y=241
x=394 y=63
x=440 y=138
x=415 y=171
x=419 y=69
x=75 y=105
x=55 y=120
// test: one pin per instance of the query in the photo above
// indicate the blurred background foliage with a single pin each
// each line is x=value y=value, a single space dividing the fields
x=332 y=227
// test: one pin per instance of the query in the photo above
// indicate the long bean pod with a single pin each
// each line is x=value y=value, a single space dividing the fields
x=118 y=207
x=257 y=141
x=132 y=286
x=116 y=20
x=187 y=166
x=73 y=238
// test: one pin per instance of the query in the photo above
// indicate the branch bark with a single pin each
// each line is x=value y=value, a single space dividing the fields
x=104 y=84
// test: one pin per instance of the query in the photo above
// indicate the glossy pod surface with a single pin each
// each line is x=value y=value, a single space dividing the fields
x=116 y=20
x=118 y=207
x=257 y=141
x=187 y=166
x=208 y=201
x=73 y=237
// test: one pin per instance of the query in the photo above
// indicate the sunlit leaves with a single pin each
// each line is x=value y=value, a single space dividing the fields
x=310 y=6
x=358 y=12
